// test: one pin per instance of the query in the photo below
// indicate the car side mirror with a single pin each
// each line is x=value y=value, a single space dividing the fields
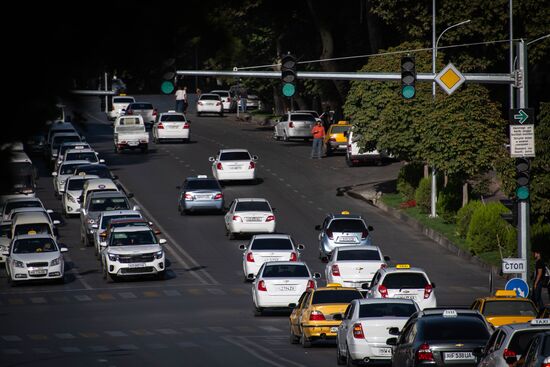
x=162 y=241
x=292 y=305
x=83 y=138
x=337 y=316
x=80 y=199
x=255 y=157
x=189 y=121
x=54 y=174
x=56 y=222
x=130 y=195
x=387 y=258
x=317 y=275
x=301 y=247
x=115 y=177
x=211 y=159
x=136 y=208
x=393 y=331
x=95 y=226
x=63 y=249
x=370 y=228
x=242 y=247
x=391 y=341
x=250 y=277
x=318 y=227
x=365 y=286
x=102 y=161
x=103 y=235
x=157 y=231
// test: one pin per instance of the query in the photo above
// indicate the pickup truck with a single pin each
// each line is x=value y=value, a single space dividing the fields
x=129 y=133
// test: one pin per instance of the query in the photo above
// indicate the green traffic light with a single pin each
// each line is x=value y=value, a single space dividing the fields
x=522 y=193
x=289 y=90
x=167 y=87
x=408 y=92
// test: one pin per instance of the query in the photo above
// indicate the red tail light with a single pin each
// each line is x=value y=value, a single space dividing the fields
x=546 y=362
x=424 y=353
x=310 y=284
x=364 y=234
x=293 y=256
x=291 y=124
x=329 y=234
x=236 y=218
x=160 y=125
x=335 y=270
x=188 y=197
x=508 y=353
x=218 y=196
x=270 y=218
x=228 y=99
x=261 y=286
x=427 y=290
x=250 y=257
x=316 y=316
x=383 y=291
x=252 y=165
x=155 y=112
x=186 y=125
x=383 y=266
x=358 y=331
x=219 y=166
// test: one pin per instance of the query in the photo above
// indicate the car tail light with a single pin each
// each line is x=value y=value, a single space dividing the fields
x=129 y=112
x=383 y=291
x=218 y=196
x=250 y=257
x=427 y=290
x=335 y=270
x=546 y=362
x=261 y=286
x=329 y=234
x=293 y=256
x=236 y=218
x=218 y=103
x=186 y=125
x=424 y=353
x=155 y=112
x=228 y=99
x=123 y=142
x=219 y=166
x=160 y=125
x=316 y=316
x=291 y=124
x=364 y=234
x=270 y=218
x=508 y=353
x=358 y=331
x=188 y=197
x=383 y=266
x=252 y=165
x=310 y=284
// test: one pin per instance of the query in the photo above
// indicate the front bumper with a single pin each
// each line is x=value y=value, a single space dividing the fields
x=26 y=273
x=128 y=269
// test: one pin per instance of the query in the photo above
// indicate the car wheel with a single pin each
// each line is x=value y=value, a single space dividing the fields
x=275 y=136
x=198 y=114
x=221 y=114
x=340 y=359
x=161 y=275
x=306 y=343
x=60 y=280
x=258 y=311
x=107 y=276
x=231 y=235
x=349 y=162
x=156 y=140
x=293 y=338
x=328 y=151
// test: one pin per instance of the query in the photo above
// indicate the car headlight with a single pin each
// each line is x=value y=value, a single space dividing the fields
x=91 y=221
x=62 y=182
x=159 y=254
x=18 y=264
x=113 y=257
x=55 y=262
x=71 y=198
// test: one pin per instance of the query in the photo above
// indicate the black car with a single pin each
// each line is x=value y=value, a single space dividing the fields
x=437 y=337
x=538 y=351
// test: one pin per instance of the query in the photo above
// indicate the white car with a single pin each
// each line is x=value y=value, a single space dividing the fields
x=228 y=103
x=294 y=126
x=13 y=203
x=249 y=215
x=67 y=146
x=233 y=164
x=100 y=240
x=366 y=326
x=119 y=105
x=209 y=103
x=403 y=281
x=353 y=266
x=133 y=251
x=171 y=125
x=268 y=247
x=34 y=257
x=281 y=283
x=65 y=170
x=82 y=154
x=70 y=199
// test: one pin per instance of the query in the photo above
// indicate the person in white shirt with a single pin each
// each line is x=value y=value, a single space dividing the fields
x=181 y=96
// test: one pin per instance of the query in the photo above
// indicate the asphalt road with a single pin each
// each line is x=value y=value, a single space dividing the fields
x=202 y=314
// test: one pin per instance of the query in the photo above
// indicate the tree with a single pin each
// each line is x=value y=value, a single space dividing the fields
x=540 y=166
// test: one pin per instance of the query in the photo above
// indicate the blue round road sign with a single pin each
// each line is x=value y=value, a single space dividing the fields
x=518 y=285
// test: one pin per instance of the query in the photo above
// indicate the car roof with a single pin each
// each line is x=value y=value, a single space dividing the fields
x=79 y=161
x=172 y=113
x=25 y=209
x=13 y=200
x=522 y=326
x=439 y=311
x=393 y=269
x=233 y=150
x=218 y=90
x=38 y=235
x=112 y=213
x=82 y=177
x=100 y=181
x=31 y=217
x=344 y=216
x=251 y=199
x=106 y=194
x=365 y=301
x=119 y=96
x=61 y=126
x=335 y=288
x=66 y=134
x=83 y=150
x=209 y=94
x=271 y=235
x=195 y=178
x=131 y=229
x=356 y=248
x=128 y=220
x=301 y=263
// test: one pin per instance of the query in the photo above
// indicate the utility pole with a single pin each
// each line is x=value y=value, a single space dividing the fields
x=433 y=196
x=106 y=96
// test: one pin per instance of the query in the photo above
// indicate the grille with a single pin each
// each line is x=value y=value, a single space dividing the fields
x=146 y=269
x=37 y=265
x=142 y=258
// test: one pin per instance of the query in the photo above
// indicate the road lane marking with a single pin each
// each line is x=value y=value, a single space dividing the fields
x=142 y=332
x=167 y=331
x=187 y=345
x=265 y=355
x=105 y=296
x=157 y=346
x=99 y=348
x=216 y=291
x=151 y=294
x=41 y=350
x=127 y=347
x=127 y=295
x=83 y=298
x=172 y=293
x=11 y=338
x=38 y=300
x=37 y=336
x=270 y=329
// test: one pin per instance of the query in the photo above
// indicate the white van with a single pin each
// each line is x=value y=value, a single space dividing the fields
x=97 y=184
x=354 y=156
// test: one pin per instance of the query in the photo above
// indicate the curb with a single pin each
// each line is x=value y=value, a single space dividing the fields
x=429 y=232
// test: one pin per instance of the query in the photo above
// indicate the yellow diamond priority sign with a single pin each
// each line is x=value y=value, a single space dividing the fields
x=449 y=79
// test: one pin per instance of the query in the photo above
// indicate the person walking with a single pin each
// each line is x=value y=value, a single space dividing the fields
x=185 y=102
x=539 y=279
x=318 y=132
x=180 y=99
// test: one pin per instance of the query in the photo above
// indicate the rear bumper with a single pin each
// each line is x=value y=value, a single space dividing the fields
x=173 y=133
x=360 y=351
x=202 y=205
x=299 y=133
x=262 y=227
x=226 y=175
x=210 y=109
x=327 y=329
x=271 y=301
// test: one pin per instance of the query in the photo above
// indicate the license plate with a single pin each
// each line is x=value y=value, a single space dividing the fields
x=347 y=239
x=271 y=259
x=133 y=143
x=406 y=296
x=136 y=265
x=334 y=329
x=253 y=219
x=457 y=356
x=172 y=126
x=234 y=167
x=384 y=351
x=39 y=272
x=202 y=196
x=287 y=288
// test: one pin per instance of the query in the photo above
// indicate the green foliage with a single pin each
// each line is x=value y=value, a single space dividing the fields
x=422 y=195
x=408 y=179
x=540 y=167
x=540 y=237
x=464 y=216
x=449 y=200
x=487 y=230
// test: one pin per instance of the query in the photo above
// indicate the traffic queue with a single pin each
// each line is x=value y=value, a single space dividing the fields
x=374 y=311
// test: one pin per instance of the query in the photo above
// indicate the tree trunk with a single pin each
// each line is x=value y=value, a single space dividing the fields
x=426 y=171
x=465 y=194
x=373 y=26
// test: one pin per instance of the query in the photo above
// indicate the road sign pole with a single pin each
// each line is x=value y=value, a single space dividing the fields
x=106 y=96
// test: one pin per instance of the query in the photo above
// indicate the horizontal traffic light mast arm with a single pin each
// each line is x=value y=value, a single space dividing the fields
x=497 y=78
x=93 y=92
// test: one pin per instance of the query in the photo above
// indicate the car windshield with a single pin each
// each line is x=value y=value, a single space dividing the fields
x=173 y=118
x=453 y=329
x=271 y=244
x=21 y=204
x=94 y=169
x=405 y=281
x=74 y=185
x=339 y=129
x=509 y=308
x=68 y=169
x=106 y=204
x=58 y=140
x=520 y=340
x=252 y=206
x=302 y=117
x=84 y=156
x=335 y=296
x=202 y=185
x=133 y=238
x=210 y=97
x=347 y=225
x=141 y=106
x=123 y=100
x=107 y=219
x=358 y=255
x=235 y=156
x=32 y=228
x=34 y=245
x=546 y=347
x=285 y=271
x=387 y=310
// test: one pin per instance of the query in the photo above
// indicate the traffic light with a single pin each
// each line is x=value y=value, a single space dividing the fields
x=522 y=178
x=288 y=75
x=408 y=77
x=168 y=76
x=512 y=216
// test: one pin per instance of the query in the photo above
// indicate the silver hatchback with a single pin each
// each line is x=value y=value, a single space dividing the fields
x=200 y=193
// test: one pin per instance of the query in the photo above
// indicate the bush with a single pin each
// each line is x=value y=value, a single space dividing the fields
x=464 y=216
x=449 y=201
x=487 y=230
x=408 y=179
x=423 y=195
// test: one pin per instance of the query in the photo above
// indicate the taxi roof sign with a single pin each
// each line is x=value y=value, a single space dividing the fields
x=122 y=94
x=333 y=285
x=202 y=176
x=402 y=266
x=505 y=293
x=342 y=122
x=344 y=212
x=537 y=322
x=450 y=313
x=31 y=232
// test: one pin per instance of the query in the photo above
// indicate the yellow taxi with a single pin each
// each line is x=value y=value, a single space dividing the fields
x=313 y=316
x=336 y=138
x=505 y=307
